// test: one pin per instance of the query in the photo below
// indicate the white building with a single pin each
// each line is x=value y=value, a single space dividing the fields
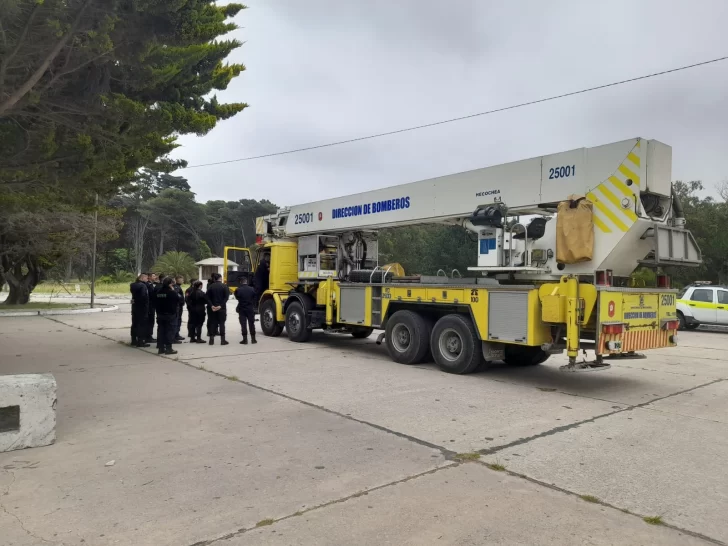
x=213 y=265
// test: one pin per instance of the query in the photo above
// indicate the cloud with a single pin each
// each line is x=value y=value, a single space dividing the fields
x=321 y=71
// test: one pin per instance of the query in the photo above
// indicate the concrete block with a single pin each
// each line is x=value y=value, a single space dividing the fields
x=27 y=411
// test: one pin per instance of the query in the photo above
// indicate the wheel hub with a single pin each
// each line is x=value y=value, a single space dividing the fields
x=294 y=322
x=451 y=345
x=401 y=337
x=268 y=318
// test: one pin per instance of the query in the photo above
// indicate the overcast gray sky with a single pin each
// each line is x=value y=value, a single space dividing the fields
x=326 y=70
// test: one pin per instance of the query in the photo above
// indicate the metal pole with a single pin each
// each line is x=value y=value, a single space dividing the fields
x=93 y=251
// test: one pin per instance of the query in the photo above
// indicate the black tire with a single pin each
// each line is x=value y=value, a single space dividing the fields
x=455 y=345
x=693 y=326
x=297 y=323
x=518 y=355
x=681 y=321
x=268 y=323
x=361 y=333
x=408 y=337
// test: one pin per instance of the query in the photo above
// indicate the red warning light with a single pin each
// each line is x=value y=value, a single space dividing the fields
x=321 y=216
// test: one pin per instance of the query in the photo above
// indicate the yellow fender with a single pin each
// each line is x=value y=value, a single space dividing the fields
x=280 y=315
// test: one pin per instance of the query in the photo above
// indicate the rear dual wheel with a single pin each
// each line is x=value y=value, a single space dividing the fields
x=408 y=337
x=452 y=341
x=455 y=345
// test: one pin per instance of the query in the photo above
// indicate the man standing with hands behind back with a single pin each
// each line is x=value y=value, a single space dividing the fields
x=246 y=297
x=217 y=295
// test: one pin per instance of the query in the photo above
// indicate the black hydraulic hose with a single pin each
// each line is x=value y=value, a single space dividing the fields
x=362 y=264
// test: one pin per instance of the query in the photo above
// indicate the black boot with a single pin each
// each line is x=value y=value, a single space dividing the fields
x=222 y=340
x=211 y=341
x=252 y=339
x=245 y=340
x=193 y=339
x=200 y=340
x=169 y=350
x=141 y=344
x=160 y=351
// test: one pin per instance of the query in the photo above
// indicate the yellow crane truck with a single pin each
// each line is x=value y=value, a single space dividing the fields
x=557 y=239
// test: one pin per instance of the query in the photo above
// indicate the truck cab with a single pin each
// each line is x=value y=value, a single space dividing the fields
x=702 y=304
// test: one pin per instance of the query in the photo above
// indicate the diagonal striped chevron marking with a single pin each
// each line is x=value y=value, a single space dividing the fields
x=611 y=211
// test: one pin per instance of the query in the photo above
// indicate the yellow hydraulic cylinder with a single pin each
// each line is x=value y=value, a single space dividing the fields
x=572 y=318
x=330 y=295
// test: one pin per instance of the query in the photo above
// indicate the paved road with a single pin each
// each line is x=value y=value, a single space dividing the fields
x=332 y=443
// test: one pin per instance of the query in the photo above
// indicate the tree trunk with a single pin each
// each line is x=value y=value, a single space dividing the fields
x=69 y=269
x=138 y=231
x=21 y=285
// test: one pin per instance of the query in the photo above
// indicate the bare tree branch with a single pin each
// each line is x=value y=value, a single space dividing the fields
x=24 y=89
x=58 y=76
x=4 y=36
x=6 y=61
x=723 y=190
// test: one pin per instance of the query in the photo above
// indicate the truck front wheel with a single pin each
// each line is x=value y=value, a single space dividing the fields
x=268 y=323
x=455 y=345
x=296 y=323
x=408 y=337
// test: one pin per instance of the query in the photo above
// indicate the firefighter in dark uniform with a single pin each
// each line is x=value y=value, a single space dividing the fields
x=179 y=279
x=196 y=302
x=167 y=306
x=151 y=286
x=246 y=297
x=217 y=296
x=139 y=311
x=262 y=276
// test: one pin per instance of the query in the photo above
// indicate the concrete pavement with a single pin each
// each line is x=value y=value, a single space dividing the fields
x=332 y=443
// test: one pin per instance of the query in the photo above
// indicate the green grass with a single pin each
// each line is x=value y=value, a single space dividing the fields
x=232 y=377
x=264 y=522
x=589 y=498
x=496 y=466
x=467 y=456
x=84 y=288
x=39 y=305
x=653 y=520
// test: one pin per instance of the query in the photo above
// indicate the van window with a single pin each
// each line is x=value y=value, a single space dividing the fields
x=722 y=296
x=702 y=294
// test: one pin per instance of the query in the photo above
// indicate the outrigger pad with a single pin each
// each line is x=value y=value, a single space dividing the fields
x=593 y=366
